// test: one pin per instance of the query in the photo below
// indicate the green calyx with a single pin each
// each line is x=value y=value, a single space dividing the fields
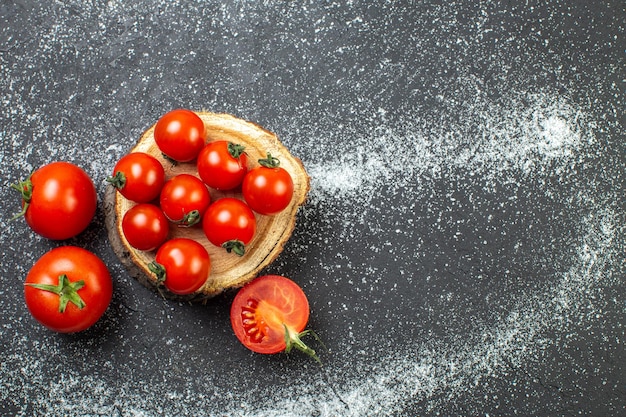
x=294 y=340
x=25 y=188
x=118 y=180
x=235 y=246
x=191 y=218
x=66 y=290
x=158 y=270
x=235 y=150
x=270 y=161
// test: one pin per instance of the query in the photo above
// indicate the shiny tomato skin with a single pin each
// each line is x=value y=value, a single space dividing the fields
x=78 y=264
x=186 y=263
x=145 y=227
x=218 y=168
x=63 y=201
x=267 y=191
x=180 y=134
x=261 y=310
x=183 y=194
x=229 y=219
x=143 y=177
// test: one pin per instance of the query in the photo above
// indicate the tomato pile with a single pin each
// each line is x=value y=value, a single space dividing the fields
x=69 y=288
x=184 y=200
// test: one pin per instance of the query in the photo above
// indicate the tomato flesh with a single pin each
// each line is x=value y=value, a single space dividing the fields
x=264 y=309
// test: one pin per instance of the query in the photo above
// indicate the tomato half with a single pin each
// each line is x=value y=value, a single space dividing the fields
x=269 y=314
x=58 y=200
x=268 y=189
x=184 y=198
x=222 y=165
x=145 y=227
x=68 y=289
x=180 y=135
x=182 y=265
x=138 y=176
x=229 y=223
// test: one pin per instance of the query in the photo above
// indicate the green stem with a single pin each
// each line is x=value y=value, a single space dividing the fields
x=158 y=270
x=235 y=150
x=66 y=290
x=118 y=180
x=294 y=339
x=270 y=161
x=25 y=188
x=191 y=218
x=235 y=246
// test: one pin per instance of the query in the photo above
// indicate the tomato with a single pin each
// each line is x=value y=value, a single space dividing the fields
x=184 y=198
x=222 y=165
x=268 y=189
x=138 y=176
x=58 y=200
x=229 y=223
x=145 y=227
x=68 y=289
x=182 y=265
x=269 y=314
x=180 y=135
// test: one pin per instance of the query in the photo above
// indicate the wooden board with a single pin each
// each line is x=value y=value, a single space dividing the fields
x=227 y=269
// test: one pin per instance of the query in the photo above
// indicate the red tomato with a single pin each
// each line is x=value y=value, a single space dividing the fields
x=229 y=223
x=58 y=200
x=269 y=314
x=268 y=189
x=138 y=176
x=182 y=265
x=184 y=199
x=180 y=135
x=222 y=165
x=145 y=227
x=68 y=289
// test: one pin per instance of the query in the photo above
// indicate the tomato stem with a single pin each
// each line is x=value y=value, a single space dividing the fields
x=294 y=339
x=235 y=150
x=118 y=180
x=66 y=290
x=25 y=188
x=158 y=270
x=235 y=246
x=270 y=161
x=190 y=219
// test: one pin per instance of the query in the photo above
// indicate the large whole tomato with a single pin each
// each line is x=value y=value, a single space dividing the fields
x=68 y=289
x=182 y=265
x=138 y=176
x=269 y=314
x=180 y=135
x=58 y=200
x=268 y=189
x=222 y=165
x=229 y=223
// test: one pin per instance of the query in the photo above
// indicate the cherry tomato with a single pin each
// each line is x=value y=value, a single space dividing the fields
x=184 y=198
x=145 y=227
x=229 y=223
x=68 y=289
x=180 y=135
x=182 y=265
x=58 y=200
x=269 y=314
x=138 y=176
x=222 y=165
x=268 y=189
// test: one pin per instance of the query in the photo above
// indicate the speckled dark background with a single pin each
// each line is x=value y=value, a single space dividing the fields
x=397 y=274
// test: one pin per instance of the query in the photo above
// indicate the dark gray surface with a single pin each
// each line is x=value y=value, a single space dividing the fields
x=463 y=245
